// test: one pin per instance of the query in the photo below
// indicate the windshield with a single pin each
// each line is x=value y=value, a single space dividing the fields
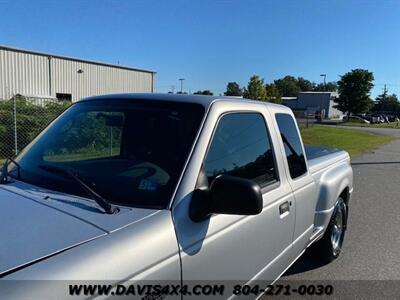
x=132 y=152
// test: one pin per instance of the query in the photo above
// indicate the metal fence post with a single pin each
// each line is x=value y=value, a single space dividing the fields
x=111 y=140
x=307 y=119
x=15 y=126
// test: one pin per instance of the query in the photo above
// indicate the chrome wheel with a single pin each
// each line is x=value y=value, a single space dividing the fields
x=337 y=230
x=329 y=246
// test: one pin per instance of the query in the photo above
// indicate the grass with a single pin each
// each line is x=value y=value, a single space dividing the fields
x=354 y=142
x=83 y=154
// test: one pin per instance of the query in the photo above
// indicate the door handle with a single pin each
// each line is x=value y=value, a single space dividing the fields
x=284 y=207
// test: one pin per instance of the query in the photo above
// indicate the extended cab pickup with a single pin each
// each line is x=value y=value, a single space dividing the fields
x=137 y=187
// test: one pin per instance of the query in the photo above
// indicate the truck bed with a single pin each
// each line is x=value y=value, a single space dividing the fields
x=319 y=158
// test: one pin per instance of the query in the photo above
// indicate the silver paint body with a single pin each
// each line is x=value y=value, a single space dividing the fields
x=139 y=244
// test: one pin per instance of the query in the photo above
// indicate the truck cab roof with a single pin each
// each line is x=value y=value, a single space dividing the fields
x=206 y=101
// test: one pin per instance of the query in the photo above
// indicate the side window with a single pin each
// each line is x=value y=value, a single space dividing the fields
x=241 y=147
x=292 y=143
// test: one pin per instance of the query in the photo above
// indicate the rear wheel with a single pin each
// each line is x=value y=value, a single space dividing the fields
x=329 y=246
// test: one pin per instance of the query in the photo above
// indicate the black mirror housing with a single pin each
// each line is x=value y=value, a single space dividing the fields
x=235 y=196
x=227 y=195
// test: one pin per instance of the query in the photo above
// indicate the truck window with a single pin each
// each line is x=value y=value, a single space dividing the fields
x=132 y=152
x=241 y=147
x=293 y=149
x=89 y=135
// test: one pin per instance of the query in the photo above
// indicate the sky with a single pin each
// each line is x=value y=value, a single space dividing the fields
x=212 y=42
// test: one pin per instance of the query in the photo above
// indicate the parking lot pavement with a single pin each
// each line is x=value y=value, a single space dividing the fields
x=371 y=249
x=384 y=131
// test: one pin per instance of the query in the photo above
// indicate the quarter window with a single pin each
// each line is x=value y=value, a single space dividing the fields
x=241 y=147
x=293 y=149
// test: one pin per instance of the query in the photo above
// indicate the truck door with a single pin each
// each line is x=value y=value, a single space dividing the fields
x=234 y=248
x=302 y=183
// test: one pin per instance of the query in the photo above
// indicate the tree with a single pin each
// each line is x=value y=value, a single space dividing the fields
x=272 y=93
x=354 y=91
x=287 y=86
x=387 y=103
x=255 y=89
x=205 y=92
x=391 y=104
x=328 y=87
x=290 y=86
x=233 y=89
x=305 y=85
x=381 y=99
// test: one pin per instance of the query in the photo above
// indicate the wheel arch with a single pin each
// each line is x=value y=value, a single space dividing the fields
x=334 y=183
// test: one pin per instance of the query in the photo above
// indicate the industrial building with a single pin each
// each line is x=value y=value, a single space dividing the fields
x=43 y=75
x=321 y=103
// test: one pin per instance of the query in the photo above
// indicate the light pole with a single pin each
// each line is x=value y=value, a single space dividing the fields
x=181 y=79
x=324 y=75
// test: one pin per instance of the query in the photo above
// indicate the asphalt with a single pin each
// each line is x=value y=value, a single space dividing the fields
x=384 y=131
x=370 y=260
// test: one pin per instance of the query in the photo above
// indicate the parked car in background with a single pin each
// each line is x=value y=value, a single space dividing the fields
x=373 y=119
x=384 y=119
x=138 y=187
x=357 y=119
x=393 y=118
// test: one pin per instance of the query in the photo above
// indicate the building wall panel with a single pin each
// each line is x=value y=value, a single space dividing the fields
x=39 y=74
x=96 y=79
x=22 y=73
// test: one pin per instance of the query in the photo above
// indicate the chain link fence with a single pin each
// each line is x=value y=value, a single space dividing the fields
x=305 y=118
x=22 y=119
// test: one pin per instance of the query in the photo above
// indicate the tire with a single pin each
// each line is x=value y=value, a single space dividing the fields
x=328 y=248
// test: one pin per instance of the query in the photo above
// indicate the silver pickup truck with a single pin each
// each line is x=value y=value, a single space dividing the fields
x=136 y=187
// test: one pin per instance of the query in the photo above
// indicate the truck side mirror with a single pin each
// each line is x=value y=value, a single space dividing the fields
x=227 y=195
